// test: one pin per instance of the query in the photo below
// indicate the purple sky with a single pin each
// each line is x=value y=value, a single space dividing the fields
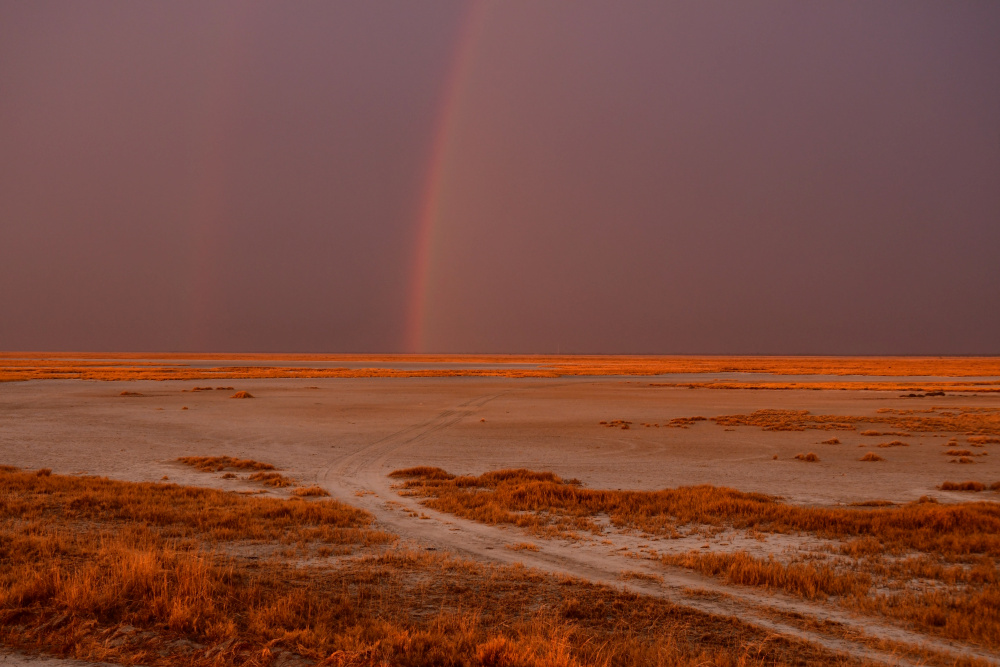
x=695 y=177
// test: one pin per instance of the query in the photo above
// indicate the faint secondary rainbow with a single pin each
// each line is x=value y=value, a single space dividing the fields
x=431 y=193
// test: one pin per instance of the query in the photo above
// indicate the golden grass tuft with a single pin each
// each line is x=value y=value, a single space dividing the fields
x=242 y=394
x=275 y=479
x=684 y=422
x=957 y=452
x=831 y=441
x=894 y=443
x=871 y=456
x=131 y=393
x=810 y=457
x=522 y=546
x=423 y=472
x=310 y=491
x=220 y=463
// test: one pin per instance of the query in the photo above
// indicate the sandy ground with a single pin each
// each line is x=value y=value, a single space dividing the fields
x=346 y=434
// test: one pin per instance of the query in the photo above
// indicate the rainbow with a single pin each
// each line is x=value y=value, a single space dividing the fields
x=207 y=215
x=429 y=209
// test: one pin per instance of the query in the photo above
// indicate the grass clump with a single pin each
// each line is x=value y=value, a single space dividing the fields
x=242 y=394
x=220 y=463
x=962 y=486
x=275 y=479
x=310 y=492
x=810 y=457
x=871 y=456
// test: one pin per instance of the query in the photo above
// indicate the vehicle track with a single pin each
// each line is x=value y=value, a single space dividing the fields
x=360 y=478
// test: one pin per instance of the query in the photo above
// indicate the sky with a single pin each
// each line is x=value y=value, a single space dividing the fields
x=525 y=176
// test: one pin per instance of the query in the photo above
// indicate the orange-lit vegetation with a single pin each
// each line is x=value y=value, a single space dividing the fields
x=684 y=422
x=275 y=479
x=831 y=441
x=264 y=471
x=164 y=575
x=973 y=421
x=310 y=491
x=882 y=545
x=220 y=463
x=871 y=456
x=810 y=457
x=617 y=423
x=894 y=443
x=963 y=486
x=170 y=366
x=242 y=394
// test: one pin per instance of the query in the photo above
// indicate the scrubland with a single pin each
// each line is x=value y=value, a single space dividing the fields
x=274 y=572
x=928 y=565
x=158 y=574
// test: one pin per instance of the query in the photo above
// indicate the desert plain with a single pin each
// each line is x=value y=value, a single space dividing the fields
x=564 y=511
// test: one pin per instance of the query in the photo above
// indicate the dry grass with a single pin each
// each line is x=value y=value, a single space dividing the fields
x=810 y=457
x=131 y=393
x=275 y=479
x=541 y=500
x=969 y=420
x=871 y=456
x=220 y=463
x=131 y=573
x=684 y=422
x=894 y=443
x=18 y=366
x=962 y=486
x=831 y=441
x=242 y=394
x=884 y=545
x=806 y=580
x=311 y=492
